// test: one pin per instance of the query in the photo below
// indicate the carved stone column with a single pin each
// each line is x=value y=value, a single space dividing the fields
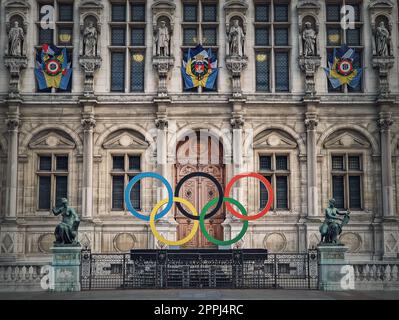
x=88 y=124
x=385 y=121
x=311 y=122
x=13 y=123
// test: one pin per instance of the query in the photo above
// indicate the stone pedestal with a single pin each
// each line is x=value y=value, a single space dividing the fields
x=331 y=261
x=66 y=266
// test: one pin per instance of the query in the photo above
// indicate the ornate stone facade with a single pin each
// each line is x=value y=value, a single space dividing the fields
x=307 y=124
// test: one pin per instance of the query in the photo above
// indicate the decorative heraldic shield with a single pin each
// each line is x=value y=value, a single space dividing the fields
x=52 y=68
x=199 y=68
x=342 y=67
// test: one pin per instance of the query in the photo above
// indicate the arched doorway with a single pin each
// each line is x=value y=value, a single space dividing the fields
x=199 y=152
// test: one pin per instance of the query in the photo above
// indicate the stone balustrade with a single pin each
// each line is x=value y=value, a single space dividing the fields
x=376 y=275
x=21 y=276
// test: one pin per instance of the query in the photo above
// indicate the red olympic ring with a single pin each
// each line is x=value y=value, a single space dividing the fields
x=269 y=192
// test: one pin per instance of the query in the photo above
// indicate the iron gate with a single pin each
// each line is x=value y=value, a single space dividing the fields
x=199 y=268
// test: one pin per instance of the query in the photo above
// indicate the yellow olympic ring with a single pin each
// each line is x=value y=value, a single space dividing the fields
x=159 y=236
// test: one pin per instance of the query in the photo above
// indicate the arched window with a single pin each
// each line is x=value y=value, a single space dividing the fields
x=347 y=160
x=52 y=154
x=275 y=157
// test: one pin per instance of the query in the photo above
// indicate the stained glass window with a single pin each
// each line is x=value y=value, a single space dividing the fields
x=282 y=71
x=333 y=36
x=354 y=162
x=338 y=163
x=118 y=71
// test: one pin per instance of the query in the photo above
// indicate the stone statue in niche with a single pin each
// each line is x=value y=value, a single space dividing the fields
x=90 y=38
x=382 y=40
x=15 y=40
x=309 y=39
x=162 y=39
x=236 y=39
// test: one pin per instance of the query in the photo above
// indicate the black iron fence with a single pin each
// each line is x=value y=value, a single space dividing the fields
x=199 y=268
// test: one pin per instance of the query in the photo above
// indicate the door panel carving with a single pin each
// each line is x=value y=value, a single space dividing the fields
x=199 y=191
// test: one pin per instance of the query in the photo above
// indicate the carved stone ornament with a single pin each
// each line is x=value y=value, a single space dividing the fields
x=162 y=65
x=89 y=65
x=236 y=64
x=309 y=65
x=311 y=120
x=383 y=65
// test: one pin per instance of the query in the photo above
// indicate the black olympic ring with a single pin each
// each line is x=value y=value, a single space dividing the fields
x=210 y=177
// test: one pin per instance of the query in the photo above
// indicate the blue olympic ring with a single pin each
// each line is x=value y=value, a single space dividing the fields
x=129 y=189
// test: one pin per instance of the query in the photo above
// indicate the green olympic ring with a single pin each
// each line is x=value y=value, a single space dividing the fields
x=214 y=240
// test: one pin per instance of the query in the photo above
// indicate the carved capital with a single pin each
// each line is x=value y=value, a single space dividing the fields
x=88 y=122
x=161 y=123
x=13 y=122
x=311 y=121
x=237 y=122
x=385 y=121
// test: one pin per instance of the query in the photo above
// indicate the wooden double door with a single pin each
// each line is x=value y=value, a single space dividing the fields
x=199 y=191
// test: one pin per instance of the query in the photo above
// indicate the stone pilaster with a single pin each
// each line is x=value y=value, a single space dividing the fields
x=13 y=123
x=385 y=121
x=88 y=124
x=311 y=122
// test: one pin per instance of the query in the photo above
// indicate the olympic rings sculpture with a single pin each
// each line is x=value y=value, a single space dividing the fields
x=199 y=219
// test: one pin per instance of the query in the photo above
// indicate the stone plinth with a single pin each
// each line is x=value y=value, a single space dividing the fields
x=66 y=265
x=331 y=261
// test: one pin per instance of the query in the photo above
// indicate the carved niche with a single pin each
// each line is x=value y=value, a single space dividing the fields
x=163 y=20
x=236 y=62
x=16 y=13
x=381 y=25
x=309 y=51
x=90 y=42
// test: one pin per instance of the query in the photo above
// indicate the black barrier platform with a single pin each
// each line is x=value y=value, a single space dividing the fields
x=199 y=268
